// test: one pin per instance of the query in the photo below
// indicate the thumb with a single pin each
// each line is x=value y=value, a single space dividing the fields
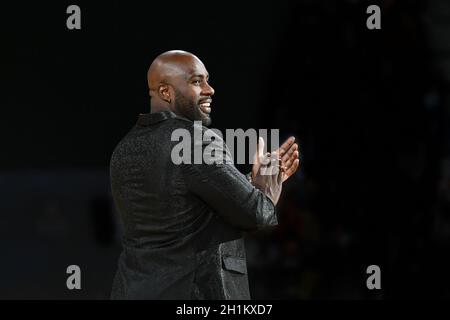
x=259 y=151
x=257 y=157
x=260 y=146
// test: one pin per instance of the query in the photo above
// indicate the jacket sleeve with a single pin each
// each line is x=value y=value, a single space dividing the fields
x=227 y=191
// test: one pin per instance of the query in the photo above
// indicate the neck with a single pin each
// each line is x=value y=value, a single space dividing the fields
x=159 y=108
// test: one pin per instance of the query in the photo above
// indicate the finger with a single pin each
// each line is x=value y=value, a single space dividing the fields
x=291 y=170
x=291 y=155
x=291 y=160
x=260 y=146
x=263 y=158
x=290 y=152
x=274 y=165
x=256 y=158
x=278 y=172
x=288 y=163
x=286 y=145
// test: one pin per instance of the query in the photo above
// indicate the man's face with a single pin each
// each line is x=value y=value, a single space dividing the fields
x=193 y=93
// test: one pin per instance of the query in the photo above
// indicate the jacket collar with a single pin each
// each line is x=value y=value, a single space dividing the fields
x=147 y=119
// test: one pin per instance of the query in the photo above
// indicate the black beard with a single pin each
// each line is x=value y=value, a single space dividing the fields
x=190 y=109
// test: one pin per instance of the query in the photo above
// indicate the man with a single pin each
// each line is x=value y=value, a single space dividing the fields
x=183 y=224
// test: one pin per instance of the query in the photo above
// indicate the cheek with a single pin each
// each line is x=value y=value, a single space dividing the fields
x=195 y=94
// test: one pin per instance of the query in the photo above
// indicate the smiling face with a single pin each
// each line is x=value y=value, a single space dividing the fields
x=178 y=81
x=193 y=92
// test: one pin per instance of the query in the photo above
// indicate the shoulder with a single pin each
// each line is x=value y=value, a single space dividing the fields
x=193 y=130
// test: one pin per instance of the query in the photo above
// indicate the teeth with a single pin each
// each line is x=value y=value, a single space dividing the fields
x=206 y=104
x=206 y=109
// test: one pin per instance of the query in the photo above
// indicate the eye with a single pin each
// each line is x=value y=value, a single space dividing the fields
x=196 y=82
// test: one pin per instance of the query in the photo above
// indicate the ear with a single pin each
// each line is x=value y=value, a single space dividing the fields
x=164 y=93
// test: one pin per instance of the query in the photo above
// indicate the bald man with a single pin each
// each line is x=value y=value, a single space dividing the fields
x=183 y=224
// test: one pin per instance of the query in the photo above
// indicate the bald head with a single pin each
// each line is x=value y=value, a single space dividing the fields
x=178 y=81
x=168 y=65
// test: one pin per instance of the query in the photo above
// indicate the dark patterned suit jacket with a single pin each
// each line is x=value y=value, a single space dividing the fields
x=183 y=224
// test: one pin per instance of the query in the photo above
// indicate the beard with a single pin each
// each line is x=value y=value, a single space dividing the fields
x=190 y=109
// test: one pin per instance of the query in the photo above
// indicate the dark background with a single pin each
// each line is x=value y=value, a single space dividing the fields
x=369 y=108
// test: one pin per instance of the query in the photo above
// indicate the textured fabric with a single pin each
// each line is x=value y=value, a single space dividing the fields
x=183 y=224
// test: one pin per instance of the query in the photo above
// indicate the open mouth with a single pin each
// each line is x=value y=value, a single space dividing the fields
x=205 y=107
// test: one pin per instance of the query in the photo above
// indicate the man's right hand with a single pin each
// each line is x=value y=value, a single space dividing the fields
x=266 y=173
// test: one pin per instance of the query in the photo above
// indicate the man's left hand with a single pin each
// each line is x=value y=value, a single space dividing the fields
x=289 y=155
x=289 y=158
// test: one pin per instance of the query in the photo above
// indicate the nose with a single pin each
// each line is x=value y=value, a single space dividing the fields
x=208 y=90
